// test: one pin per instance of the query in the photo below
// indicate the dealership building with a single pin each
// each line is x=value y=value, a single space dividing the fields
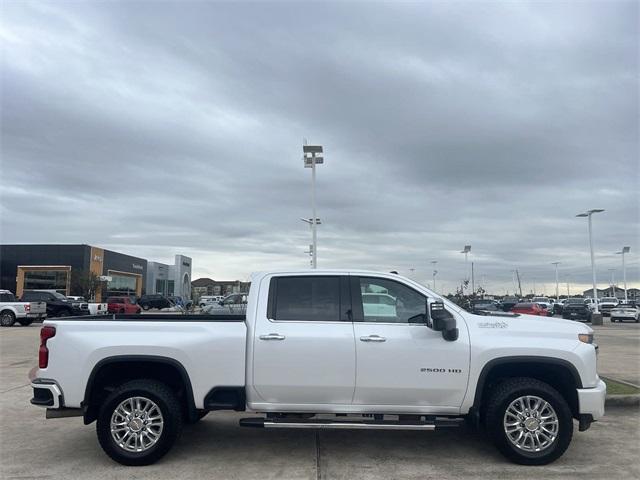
x=65 y=268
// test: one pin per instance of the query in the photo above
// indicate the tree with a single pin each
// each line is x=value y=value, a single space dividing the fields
x=85 y=284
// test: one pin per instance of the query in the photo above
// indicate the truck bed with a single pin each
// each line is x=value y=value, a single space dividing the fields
x=210 y=348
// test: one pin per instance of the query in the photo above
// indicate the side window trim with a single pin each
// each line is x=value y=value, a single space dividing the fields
x=359 y=310
x=345 y=299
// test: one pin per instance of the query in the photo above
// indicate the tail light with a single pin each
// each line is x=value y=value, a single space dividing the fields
x=27 y=308
x=46 y=333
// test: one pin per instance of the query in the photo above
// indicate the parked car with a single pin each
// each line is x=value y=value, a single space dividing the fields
x=181 y=302
x=57 y=304
x=25 y=313
x=122 y=305
x=558 y=306
x=545 y=303
x=306 y=356
x=154 y=300
x=528 y=308
x=508 y=303
x=234 y=304
x=625 y=311
x=478 y=306
x=94 y=307
x=606 y=304
x=209 y=299
x=577 y=309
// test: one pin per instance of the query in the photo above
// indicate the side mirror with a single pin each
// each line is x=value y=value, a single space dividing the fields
x=441 y=320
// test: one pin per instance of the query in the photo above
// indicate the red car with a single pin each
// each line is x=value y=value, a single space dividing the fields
x=121 y=305
x=529 y=309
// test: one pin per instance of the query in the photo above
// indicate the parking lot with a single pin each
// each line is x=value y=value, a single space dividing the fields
x=32 y=447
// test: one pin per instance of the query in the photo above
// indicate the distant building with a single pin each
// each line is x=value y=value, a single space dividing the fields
x=617 y=292
x=65 y=268
x=170 y=279
x=208 y=286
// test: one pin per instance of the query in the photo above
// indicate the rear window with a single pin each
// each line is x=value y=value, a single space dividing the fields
x=312 y=299
x=115 y=300
x=7 y=297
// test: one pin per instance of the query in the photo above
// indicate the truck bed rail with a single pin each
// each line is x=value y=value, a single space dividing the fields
x=155 y=317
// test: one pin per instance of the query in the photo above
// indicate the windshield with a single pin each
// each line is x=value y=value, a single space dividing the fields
x=575 y=300
x=540 y=299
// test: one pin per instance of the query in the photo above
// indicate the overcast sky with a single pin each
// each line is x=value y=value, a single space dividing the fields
x=159 y=128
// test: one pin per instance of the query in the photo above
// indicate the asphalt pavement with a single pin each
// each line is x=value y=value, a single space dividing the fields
x=217 y=448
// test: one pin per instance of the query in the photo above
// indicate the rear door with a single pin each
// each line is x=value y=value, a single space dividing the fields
x=304 y=349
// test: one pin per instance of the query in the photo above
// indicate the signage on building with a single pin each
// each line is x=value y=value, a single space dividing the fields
x=97 y=258
x=136 y=266
x=186 y=264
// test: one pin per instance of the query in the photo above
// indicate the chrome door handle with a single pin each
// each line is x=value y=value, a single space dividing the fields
x=272 y=336
x=373 y=338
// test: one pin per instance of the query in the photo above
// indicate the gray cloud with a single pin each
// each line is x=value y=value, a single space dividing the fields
x=157 y=127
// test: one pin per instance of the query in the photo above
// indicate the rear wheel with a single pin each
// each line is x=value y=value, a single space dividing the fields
x=529 y=421
x=139 y=422
x=7 y=318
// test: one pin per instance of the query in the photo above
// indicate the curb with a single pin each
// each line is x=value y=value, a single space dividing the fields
x=622 y=400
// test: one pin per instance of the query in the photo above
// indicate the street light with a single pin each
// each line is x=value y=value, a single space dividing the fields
x=312 y=155
x=466 y=250
x=557 y=291
x=588 y=214
x=624 y=271
x=435 y=272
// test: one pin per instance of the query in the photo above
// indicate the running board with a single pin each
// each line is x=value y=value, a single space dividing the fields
x=347 y=425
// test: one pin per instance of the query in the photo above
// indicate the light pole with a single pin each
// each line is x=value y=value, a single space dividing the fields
x=589 y=214
x=466 y=250
x=612 y=282
x=624 y=271
x=557 y=291
x=312 y=157
x=435 y=272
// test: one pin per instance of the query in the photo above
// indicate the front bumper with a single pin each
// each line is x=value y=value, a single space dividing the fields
x=46 y=393
x=591 y=400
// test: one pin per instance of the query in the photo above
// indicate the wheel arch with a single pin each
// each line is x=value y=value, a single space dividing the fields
x=557 y=372
x=128 y=367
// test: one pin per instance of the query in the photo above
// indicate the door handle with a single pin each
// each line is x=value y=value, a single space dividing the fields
x=272 y=336
x=373 y=338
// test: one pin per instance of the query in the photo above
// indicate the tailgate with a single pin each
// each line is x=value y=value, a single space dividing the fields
x=37 y=307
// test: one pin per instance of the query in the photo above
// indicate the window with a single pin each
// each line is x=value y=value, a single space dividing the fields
x=312 y=299
x=386 y=301
x=45 y=279
x=7 y=297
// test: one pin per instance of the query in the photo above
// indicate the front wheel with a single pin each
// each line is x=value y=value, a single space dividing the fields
x=7 y=319
x=139 y=422
x=529 y=421
x=145 y=307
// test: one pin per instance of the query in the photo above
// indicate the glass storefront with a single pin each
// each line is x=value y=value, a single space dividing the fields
x=121 y=284
x=46 y=280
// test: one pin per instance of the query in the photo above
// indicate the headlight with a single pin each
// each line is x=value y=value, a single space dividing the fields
x=585 y=337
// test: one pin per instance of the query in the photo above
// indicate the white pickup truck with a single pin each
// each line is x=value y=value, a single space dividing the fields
x=310 y=353
x=25 y=313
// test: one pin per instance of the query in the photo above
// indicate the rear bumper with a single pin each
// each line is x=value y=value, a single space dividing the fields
x=591 y=400
x=47 y=394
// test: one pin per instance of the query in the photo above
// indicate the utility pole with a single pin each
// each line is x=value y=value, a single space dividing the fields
x=473 y=283
x=519 y=284
x=312 y=157
x=435 y=272
x=557 y=291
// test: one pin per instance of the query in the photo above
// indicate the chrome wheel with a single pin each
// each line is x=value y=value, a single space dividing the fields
x=136 y=424
x=531 y=424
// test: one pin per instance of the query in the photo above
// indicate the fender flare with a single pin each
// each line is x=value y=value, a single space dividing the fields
x=191 y=408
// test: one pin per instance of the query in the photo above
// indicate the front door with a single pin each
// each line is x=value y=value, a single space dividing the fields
x=303 y=351
x=401 y=361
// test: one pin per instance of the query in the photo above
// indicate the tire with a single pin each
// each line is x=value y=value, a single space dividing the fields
x=504 y=396
x=145 y=307
x=7 y=318
x=25 y=322
x=163 y=400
